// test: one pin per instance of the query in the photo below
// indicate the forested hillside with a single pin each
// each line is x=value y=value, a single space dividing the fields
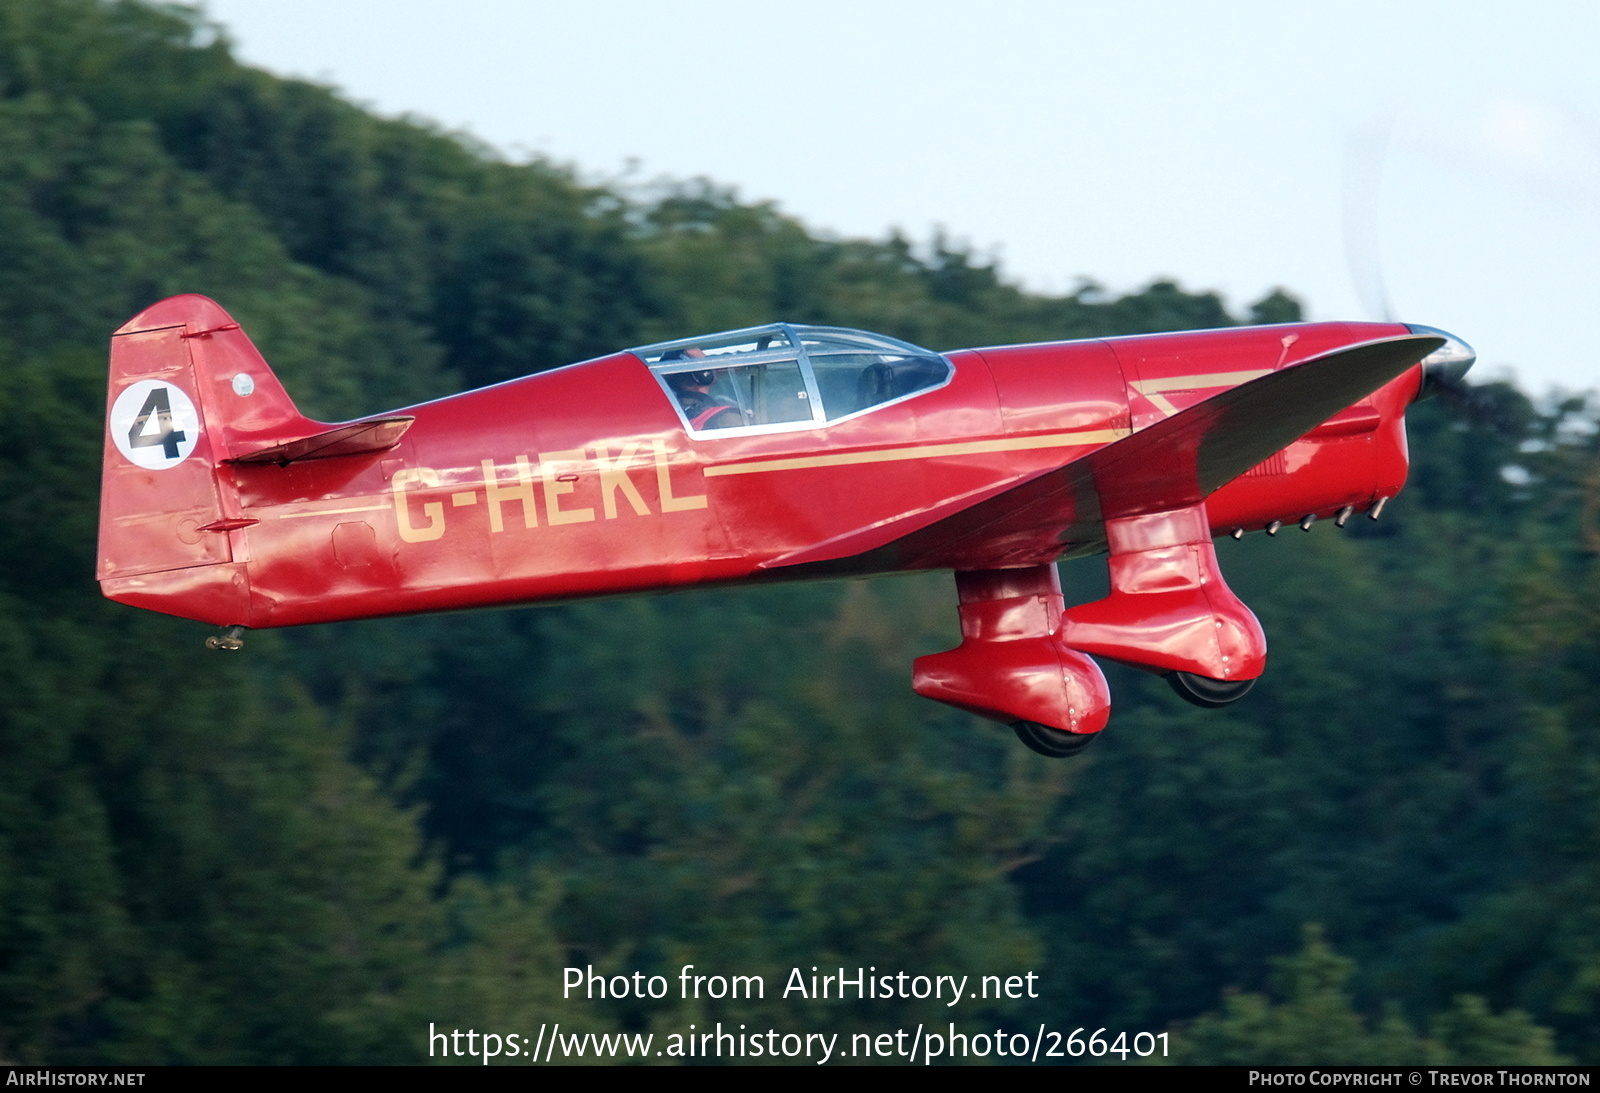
x=309 y=851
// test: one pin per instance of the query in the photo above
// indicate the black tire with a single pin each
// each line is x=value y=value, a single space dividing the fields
x=1207 y=692
x=1052 y=742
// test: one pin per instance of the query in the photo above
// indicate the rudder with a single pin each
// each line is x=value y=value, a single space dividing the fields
x=187 y=391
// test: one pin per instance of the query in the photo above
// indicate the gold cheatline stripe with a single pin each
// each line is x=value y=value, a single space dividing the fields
x=330 y=512
x=925 y=451
x=1197 y=383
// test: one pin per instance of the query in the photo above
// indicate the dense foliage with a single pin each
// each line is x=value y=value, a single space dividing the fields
x=1391 y=851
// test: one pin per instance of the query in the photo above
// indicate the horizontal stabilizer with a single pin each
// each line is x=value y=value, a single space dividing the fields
x=357 y=438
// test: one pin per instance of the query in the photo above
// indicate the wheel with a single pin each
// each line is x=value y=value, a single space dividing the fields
x=1207 y=692
x=1052 y=742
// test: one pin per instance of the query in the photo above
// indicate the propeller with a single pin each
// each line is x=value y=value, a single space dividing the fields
x=1364 y=156
x=1444 y=370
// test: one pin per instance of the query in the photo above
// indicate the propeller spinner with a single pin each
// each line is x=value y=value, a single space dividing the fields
x=1444 y=368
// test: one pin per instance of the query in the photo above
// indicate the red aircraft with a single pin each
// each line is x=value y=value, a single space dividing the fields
x=779 y=452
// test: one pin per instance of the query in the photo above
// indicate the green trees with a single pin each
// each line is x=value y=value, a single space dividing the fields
x=1315 y=1023
x=752 y=805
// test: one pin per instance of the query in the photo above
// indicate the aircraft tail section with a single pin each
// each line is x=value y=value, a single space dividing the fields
x=245 y=405
x=187 y=392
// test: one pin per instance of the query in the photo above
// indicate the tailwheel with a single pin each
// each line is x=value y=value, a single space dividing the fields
x=1052 y=742
x=230 y=640
x=1207 y=692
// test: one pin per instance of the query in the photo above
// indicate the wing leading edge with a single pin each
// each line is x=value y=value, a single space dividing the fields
x=1176 y=462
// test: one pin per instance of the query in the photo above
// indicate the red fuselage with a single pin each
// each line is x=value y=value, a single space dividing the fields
x=584 y=481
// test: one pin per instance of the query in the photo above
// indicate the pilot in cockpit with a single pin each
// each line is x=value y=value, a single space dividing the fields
x=693 y=392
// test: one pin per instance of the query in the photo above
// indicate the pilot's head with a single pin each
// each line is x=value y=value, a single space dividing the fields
x=700 y=381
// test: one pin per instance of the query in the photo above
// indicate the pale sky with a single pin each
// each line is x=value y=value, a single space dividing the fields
x=1229 y=145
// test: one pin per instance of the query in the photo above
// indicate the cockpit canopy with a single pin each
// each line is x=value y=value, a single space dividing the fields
x=781 y=376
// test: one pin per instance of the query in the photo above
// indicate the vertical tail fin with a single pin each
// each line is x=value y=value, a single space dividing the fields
x=187 y=391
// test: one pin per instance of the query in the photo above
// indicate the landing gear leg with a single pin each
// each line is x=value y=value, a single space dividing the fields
x=231 y=639
x=1012 y=665
x=1170 y=611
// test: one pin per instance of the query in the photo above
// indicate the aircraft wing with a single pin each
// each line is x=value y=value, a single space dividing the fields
x=1176 y=462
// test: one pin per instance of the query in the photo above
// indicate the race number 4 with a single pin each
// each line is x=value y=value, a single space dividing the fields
x=157 y=405
x=154 y=424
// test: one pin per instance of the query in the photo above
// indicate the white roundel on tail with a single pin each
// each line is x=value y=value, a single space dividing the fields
x=154 y=424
